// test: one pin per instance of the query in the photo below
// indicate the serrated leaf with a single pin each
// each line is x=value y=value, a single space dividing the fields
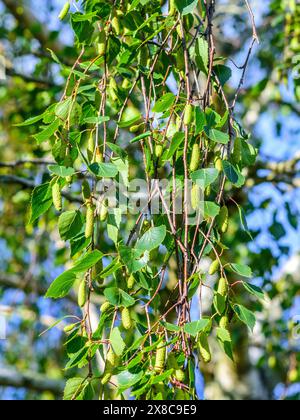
x=176 y=142
x=225 y=342
x=195 y=327
x=164 y=103
x=230 y=172
x=152 y=239
x=104 y=170
x=186 y=6
x=41 y=201
x=47 y=132
x=242 y=270
x=219 y=303
x=117 y=342
x=61 y=285
x=118 y=297
x=254 y=290
x=246 y=316
x=208 y=176
x=218 y=136
x=61 y=171
x=69 y=224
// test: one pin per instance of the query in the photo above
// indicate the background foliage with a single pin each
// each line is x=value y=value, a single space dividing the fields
x=266 y=363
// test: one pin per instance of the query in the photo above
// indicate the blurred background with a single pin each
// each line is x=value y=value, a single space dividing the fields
x=267 y=362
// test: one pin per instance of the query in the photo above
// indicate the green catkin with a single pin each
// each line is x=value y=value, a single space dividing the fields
x=160 y=359
x=115 y=24
x=222 y=287
x=103 y=212
x=105 y=307
x=130 y=282
x=223 y=219
x=188 y=115
x=64 y=11
x=214 y=268
x=86 y=191
x=179 y=375
x=91 y=147
x=195 y=159
x=224 y=322
x=158 y=151
x=82 y=294
x=69 y=328
x=135 y=128
x=172 y=8
x=113 y=90
x=180 y=63
x=90 y=218
x=99 y=156
x=126 y=319
x=195 y=197
x=237 y=151
x=102 y=43
x=219 y=164
x=111 y=363
x=56 y=196
x=204 y=349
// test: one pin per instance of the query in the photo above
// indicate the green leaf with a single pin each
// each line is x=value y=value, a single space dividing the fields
x=164 y=103
x=193 y=328
x=175 y=144
x=61 y=171
x=117 y=342
x=95 y=120
x=118 y=297
x=207 y=176
x=127 y=379
x=230 y=172
x=211 y=209
x=41 y=201
x=242 y=270
x=62 y=109
x=218 y=136
x=104 y=170
x=61 y=286
x=74 y=387
x=132 y=258
x=219 y=303
x=171 y=327
x=88 y=261
x=69 y=224
x=202 y=56
x=223 y=73
x=47 y=132
x=243 y=220
x=225 y=342
x=141 y=137
x=186 y=6
x=246 y=316
x=152 y=239
x=30 y=121
x=254 y=290
x=162 y=377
